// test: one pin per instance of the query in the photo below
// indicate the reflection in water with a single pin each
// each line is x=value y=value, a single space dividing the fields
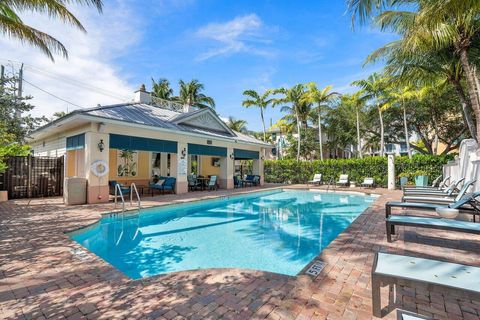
x=279 y=232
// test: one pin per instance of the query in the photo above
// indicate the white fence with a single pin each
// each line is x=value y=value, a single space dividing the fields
x=466 y=164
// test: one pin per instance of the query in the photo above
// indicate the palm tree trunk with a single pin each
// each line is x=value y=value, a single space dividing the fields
x=407 y=137
x=471 y=86
x=467 y=109
x=382 y=133
x=263 y=124
x=320 y=142
x=359 y=141
x=299 y=136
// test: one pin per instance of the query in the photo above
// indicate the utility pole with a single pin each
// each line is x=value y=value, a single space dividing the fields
x=18 y=114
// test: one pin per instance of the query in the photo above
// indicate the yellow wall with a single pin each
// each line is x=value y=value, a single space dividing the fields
x=71 y=162
x=206 y=168
x=143 y=166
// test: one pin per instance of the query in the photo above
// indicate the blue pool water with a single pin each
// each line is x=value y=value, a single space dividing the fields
x=279 y=231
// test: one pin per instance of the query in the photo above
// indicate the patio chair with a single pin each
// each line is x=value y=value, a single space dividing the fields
x=445 y=277
x=317 y=179
x=256 y=180
x=212 y=184
x=407 y=315
x=123 y=190
x=436 y=185
x=237 y=183
x=368 y=183
x=452 y=188
x=193 y=183
x=248 y=180
x=343 y=180
x=466 y=204
x=164 y=184
x=429 y=223
x=440 y=199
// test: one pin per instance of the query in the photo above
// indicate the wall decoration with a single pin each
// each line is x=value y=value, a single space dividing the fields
x=127 y=163
x=215 y=162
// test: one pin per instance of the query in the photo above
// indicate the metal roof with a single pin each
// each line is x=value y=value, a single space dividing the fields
x=150 y=115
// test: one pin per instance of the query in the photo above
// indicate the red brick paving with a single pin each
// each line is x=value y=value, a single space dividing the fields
x=41 y=277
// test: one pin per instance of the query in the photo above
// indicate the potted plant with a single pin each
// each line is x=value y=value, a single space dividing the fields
x=404 y=178
x=421 y=178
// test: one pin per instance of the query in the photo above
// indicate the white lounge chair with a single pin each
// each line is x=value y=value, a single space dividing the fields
x=368 y=183
x=317 y=179
x=343 y=180
x=440 y=198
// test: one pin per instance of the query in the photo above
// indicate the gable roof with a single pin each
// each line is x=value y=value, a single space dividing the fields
x=203 y=121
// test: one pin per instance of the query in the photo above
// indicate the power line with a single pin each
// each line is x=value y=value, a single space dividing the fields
x=51 y=94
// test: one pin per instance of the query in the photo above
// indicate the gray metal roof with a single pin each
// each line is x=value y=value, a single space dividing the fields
x=150 y=115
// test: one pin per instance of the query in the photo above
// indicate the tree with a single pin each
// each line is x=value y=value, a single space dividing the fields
x=358 y=103
x=374 y=90
x=321 y=98
x=293 y=101
x=191 y=95
x=237 y=124
x=162 y=89
x=12 y=25
x=262 y=101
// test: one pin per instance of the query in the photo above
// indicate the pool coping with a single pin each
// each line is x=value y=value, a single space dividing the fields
x=302 y=272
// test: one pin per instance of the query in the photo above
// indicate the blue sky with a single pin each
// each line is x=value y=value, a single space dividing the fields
x=229 y=46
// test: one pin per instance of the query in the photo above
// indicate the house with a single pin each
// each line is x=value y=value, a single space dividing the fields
x=144 y=139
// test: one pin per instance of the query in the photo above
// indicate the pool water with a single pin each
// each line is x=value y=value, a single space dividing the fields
x=278 y=231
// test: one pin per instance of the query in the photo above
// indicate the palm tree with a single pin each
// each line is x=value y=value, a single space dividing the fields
x=294 y=102
x=320 y=98
x=12 y=25
x=191 y=95
x=261 y=101
x=237 y=124
x=356 y=100
x=162 y=89
x=374 y=90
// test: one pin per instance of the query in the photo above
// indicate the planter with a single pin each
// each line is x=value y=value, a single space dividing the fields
x=3 y=196
x=403 y=181
x=421 y=181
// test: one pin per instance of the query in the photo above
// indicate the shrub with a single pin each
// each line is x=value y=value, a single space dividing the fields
x=292 y=171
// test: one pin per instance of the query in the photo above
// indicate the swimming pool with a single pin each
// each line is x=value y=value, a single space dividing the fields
x=278 y=231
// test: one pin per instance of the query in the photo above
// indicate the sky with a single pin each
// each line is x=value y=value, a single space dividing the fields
x=228 y=46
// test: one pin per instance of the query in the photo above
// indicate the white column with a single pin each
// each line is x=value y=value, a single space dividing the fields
x=258 y=167
x=391 y=172
x=163 y=164
x=226 y=170
x=179 y=168
x=97 y=187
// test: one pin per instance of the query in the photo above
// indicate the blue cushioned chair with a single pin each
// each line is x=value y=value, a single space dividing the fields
x=168 y=185
x=123 y=190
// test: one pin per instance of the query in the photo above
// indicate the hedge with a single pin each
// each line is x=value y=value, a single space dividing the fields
x=292 y=171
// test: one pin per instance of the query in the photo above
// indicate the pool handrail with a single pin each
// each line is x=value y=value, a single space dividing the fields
x=133 y=187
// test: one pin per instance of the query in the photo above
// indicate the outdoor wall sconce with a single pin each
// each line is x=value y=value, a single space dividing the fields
x=262 y=158
x=101 y=145
x=232 y=156
x=184 y=152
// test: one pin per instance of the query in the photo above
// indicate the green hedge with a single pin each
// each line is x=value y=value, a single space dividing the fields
x=292 y=171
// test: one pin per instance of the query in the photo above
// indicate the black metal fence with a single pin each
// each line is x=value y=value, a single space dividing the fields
x=32 y=177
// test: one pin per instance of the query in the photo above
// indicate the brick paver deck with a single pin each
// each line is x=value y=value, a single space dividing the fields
x=44 y=275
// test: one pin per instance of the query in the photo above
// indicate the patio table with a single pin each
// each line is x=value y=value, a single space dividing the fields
x=203 y=181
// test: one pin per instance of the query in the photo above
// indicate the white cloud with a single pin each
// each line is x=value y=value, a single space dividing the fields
x=234 y=36
x=90 y=64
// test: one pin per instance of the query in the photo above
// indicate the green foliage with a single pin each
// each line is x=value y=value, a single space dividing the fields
x=292 y=171
x=11 y=150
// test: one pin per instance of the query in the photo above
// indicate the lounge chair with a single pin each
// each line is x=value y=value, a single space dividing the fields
x=164 y=184
x=317 y=179
x=436 y=185
x=212 y=183
x=429 y=223
x=452 y=188
x=466 y=204
x=407 y=315
x=399 y=270
x=368 y=183
x=343 y=180
x=440 y=199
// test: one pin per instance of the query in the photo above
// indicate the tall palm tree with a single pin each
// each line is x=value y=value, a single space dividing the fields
x=435 y=25
x=358 y=102
x=293 y=101
x=321 y=98
x=262 y=101
x=191 y=95
x=374 y=90
x=12 y=25
x=237 y=124
x=162 y=89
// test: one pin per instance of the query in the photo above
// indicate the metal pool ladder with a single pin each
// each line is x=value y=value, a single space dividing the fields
x=133 y=187
x=118 y=190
